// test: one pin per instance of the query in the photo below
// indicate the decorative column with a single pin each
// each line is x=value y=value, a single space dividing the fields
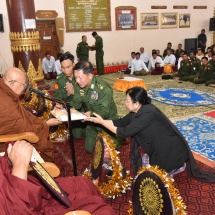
x=25 y=43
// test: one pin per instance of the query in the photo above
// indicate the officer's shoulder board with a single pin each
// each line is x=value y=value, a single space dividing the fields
x=60 y=76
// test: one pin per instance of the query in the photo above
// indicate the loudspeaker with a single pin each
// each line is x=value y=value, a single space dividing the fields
x=212 y=24
x=1 y=23
x=190 y=45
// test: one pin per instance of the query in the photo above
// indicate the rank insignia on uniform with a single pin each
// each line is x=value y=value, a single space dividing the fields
x=81 y=92
x=92 y=86
x=94 y=95
x=100 y=86
x=56 y=86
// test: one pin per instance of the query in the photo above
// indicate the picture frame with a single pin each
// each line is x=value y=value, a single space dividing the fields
x=79 y=18
x=184 y=20
x=149 y=21
x=169 y=20
x=126 y=18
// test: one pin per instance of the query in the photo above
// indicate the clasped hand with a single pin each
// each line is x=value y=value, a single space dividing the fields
x=69 y=88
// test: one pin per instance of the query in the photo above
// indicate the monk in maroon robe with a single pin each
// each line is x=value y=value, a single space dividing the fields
x=14 y=118
x=23 y=194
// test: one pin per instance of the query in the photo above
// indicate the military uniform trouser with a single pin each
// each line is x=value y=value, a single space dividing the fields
x=184 y=77
x=92 y=133
x=210 y=82
x=78 y=129
x=100 y=62
x=200 y=81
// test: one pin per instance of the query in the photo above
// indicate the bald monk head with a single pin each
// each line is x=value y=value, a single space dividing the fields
x=15 y=79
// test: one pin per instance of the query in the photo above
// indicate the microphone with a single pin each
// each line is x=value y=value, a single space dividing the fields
x=38 y=92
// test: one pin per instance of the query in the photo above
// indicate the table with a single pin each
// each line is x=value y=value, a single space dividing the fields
x=127 y=83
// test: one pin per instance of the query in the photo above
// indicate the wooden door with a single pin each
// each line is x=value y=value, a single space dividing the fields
x=48 y=38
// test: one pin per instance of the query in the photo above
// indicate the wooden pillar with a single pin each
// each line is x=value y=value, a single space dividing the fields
x=25 y=43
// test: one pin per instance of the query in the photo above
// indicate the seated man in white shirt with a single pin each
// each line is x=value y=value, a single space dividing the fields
x=57 y=64
x=199 y=54
x=180 y=59
x=138 y=67
x=48 y=64
x=144 y=56
x=169 y=62
x=155 y=64
x=128 y=70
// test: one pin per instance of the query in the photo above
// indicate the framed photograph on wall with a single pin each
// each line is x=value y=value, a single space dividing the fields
x=169 y=20
x=149 y=21
x=126 y=18
x=184 y=20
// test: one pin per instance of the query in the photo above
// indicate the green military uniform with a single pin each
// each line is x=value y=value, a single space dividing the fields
x=99 y=55
x=82 y=51
x=212 y=64
x=185 y=70
x=61 y=93
x=177 y=53
x=165 y=52
x=98 y=98
x=213 y=72
x=204 y=75
x=196 y=63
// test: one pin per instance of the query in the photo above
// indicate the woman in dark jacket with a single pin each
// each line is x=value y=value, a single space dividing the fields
x=149 y=128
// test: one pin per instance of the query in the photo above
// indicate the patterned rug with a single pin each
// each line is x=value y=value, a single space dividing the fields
x=199 y=133
x=199 y=197
x=182 y=97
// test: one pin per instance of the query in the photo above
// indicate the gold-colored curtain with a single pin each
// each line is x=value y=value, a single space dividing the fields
x=59 y=22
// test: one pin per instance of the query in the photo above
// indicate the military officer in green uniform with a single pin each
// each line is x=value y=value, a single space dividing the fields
x=178 y=51
x=99 y=53
x=94 y=95
x=204 y=74
x=169 y=46
x=212 y=62
x=82 y=50
x=185 y=69
x=64 y=88
x=196 y=63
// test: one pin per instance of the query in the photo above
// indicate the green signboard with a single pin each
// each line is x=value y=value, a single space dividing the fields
x=87 y=15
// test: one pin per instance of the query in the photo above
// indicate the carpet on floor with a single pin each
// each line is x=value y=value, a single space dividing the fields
x=182 y=97
x=198 y=130
x=199 y=197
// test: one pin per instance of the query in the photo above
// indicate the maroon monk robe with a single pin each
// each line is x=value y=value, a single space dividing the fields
x=14 y=118
x=21 y=197
x=158 y=70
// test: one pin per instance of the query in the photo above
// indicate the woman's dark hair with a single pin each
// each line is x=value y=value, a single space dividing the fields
x=86 y=66
x=67 y=56
x=138 y=94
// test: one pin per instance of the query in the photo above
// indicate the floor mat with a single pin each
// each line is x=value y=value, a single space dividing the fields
x=182 y=97
x=199 y=132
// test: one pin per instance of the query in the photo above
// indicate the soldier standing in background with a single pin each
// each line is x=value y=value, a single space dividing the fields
x=99 y=53
x=82 y=50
